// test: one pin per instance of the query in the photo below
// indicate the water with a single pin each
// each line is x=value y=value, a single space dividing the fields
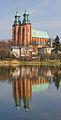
x=30 y=93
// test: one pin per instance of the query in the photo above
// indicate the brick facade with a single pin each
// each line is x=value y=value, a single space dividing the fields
x=22 y=33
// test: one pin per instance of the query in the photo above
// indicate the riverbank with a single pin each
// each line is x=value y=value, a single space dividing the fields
x=34 y=62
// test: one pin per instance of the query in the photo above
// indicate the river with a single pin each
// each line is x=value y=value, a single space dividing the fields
x=30 y=93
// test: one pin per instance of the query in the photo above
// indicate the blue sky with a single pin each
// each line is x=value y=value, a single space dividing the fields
x=44 y=15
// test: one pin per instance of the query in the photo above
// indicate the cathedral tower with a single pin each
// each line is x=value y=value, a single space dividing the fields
x=26 y=30
x=23 y=35
x=16 y=29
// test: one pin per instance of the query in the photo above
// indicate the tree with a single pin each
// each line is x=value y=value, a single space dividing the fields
x=56 y=45
x=56 y=79
x=4 y=49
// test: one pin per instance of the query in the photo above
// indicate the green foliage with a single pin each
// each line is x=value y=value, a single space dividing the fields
x=56 y=45
x=41 y=58
x=13 y=56
x=8 y=56
x=56 y=80
x=3 y=54
x=4 y=50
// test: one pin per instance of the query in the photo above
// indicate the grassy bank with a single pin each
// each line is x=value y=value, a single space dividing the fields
x=17 y=63
x=10 y=63
x=50 y=63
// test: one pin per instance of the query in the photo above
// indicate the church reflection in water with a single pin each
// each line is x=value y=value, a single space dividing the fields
x=29 y=79
x=25 y=81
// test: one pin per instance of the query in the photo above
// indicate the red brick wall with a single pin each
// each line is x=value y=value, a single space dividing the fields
x=44 y=40
x=15 y=34
x=22 y=35
x=26 y=35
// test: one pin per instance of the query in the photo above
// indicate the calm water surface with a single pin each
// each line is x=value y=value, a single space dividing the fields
x=30 y=93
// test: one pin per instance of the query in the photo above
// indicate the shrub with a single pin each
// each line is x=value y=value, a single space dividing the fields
x=13 y=56
x=41 y=58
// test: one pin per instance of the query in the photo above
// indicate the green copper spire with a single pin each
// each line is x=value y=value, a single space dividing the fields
x=26 y=105
x=17 y=19
x=17 y=103
x=26 y=20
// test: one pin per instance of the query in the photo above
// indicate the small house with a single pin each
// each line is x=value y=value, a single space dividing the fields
x=14 y=50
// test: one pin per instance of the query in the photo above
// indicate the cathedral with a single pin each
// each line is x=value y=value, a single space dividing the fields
x=23 y=35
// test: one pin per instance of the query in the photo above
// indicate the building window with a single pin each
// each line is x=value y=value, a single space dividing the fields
x=23 y=30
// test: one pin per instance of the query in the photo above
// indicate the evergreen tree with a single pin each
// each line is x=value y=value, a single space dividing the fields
x=56 y=45
x=56 y=80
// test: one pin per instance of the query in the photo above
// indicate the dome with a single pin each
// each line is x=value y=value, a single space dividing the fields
x=17 y=107
x=17 y=19
x=26 y=110
x=26 y=12
x=25 y=19
x=17 y=14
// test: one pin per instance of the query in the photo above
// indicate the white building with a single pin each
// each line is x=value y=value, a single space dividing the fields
x=14 y=50
x=48 y=50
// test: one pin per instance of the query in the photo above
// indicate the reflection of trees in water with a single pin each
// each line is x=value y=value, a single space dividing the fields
x=56 y=71
x=23 y=77
x=56 y=80
x=4 y=73
x=32 y=72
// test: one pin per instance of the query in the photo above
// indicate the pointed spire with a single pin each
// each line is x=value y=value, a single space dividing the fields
x=26 y=104
x=17 y=19
x=25 y=19
x=17 y=103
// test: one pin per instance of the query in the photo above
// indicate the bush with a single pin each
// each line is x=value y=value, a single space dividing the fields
x=13 y=56
x=41 y=58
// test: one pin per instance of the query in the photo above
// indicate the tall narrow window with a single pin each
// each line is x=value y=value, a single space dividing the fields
x=23 y=37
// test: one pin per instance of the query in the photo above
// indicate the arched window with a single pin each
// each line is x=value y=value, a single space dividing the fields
x=23 y=30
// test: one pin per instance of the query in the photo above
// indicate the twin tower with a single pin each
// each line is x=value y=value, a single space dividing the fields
x=22 y=32
x=23 y=35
